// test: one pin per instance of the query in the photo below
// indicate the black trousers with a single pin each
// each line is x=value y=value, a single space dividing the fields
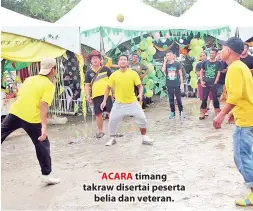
x=12 y=123
x=172 y=92
x=210 y=87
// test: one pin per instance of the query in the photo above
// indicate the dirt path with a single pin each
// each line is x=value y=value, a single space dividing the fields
x=191 y=153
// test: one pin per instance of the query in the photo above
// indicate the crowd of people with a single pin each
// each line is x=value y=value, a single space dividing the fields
x=120 y=94
x=211 y=78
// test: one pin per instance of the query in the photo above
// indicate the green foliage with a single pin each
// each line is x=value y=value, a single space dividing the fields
x=52 y=10
x=47 y=10
x=178 y=7
x=248 y=4
x=171 y=7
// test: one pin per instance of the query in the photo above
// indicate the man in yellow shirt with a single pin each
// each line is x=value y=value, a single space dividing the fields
x=29 y=112
x=126 y=103
x=239 y=86
x=96 y=79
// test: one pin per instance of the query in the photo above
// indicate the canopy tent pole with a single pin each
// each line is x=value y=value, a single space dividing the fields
x=237 y=32
x=102 y=45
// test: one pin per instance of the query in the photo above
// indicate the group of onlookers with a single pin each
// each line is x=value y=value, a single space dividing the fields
x=211 y=78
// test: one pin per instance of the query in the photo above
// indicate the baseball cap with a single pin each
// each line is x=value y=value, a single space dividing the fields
x=235 y=43
x=46 y=65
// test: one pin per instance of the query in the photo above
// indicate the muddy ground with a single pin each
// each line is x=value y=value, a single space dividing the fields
x=190 y=153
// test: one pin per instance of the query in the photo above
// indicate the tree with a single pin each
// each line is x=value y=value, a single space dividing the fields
x=17 y=6
x=178 y=7
x=52 y=10
x=171 y=7
x=47 y=10
x=248 y=4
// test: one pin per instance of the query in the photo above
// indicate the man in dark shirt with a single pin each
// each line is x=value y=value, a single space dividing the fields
x=246 y=58
x=142 y=70
x=223 y=72
x=174 y=82
x=203 y=57
x=209 y=77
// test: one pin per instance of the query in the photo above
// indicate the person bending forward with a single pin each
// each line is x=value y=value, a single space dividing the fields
x=29 y=112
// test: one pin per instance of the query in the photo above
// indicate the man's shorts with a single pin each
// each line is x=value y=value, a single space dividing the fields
x=97 y=101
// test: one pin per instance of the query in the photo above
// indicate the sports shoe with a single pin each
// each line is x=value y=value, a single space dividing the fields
x=119 y=135
x=172 y=115
x=182 y=116
x=146 y=140
x=206 y=113
x=111 y=142
x=100 y=135
x=247 y=201
x=50 y=180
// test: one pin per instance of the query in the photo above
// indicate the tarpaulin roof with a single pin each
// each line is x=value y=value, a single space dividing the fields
x=222 y=12
x=67 y=37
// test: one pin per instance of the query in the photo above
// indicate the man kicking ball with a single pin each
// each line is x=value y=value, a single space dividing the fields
x=30 y=111
x=126 y=103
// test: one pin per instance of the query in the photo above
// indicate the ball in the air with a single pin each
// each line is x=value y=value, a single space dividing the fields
x=120 y=18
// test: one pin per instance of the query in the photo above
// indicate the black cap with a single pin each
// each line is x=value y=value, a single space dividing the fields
x=235 y=43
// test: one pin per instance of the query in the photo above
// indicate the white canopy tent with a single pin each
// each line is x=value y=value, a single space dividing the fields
x=66 y=37
x=94 y=16
x=91 y=14
x=222 y=12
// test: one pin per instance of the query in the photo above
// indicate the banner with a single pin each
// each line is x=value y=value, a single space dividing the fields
x=23 y=49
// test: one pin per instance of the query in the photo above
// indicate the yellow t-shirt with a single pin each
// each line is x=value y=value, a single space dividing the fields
x=108 y=62
x=100 y=83
x=34 y=90
x=239 y=85
x=123 y=84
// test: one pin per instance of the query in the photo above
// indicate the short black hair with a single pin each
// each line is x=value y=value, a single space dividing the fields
x=214 y=49
x=204 y=52
x=169 y=51
x=123 y=55
x=246 y=44
x=133 y=54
